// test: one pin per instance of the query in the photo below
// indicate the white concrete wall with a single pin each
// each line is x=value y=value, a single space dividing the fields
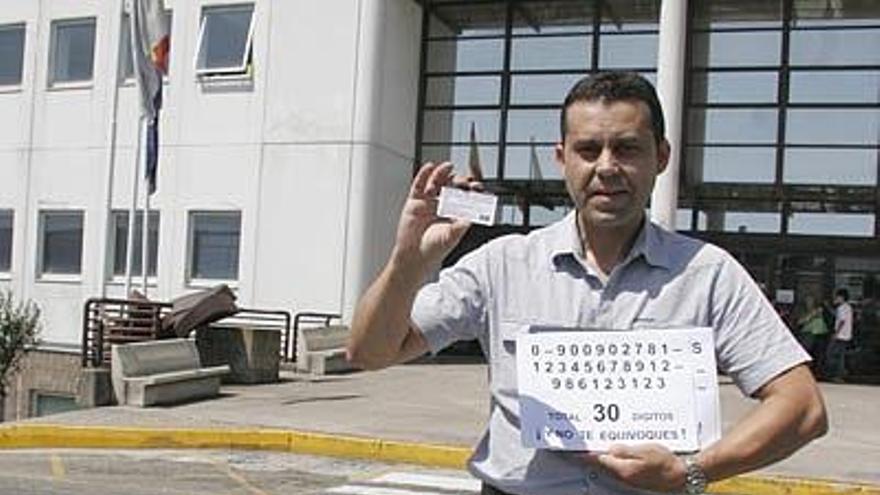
x=315 y=149
x=381 y=162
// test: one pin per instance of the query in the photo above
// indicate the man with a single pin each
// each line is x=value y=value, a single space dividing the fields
x=843 y=329
x=603 y=266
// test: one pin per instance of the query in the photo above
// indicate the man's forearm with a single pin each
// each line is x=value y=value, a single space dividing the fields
x=380 y=324
x=791 y=413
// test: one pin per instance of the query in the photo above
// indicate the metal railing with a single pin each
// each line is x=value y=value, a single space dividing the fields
x=310 y=319
x=108 y=321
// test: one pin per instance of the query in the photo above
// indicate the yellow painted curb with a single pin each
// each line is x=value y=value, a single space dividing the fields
x=434 y=455
x=61 y=436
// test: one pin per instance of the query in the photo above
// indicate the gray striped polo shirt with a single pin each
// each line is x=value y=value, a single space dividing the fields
x=667 y=281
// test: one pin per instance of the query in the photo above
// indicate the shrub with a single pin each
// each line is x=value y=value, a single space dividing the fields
x=19 y=330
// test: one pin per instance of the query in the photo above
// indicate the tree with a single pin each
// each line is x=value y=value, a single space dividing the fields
x=19 y=330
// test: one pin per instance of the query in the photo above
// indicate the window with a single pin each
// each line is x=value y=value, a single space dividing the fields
x=835 y=47
x=725 y=220
x=853 y=126
x=744 y=164
x=740 y=87
x=225 y=40
x=734 y=125
x=5 y=240
x=625 y=50
x=827 y=166
x=213 y=245
x=120 y=243
x=126 y=68
x=72 y=55
x=831 y=223
x=61 y=238
x=736 y=49
x=463 y=90
x=11 y=54
x=549 y=53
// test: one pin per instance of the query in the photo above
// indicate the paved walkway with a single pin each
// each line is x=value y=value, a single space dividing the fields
x=404 y=408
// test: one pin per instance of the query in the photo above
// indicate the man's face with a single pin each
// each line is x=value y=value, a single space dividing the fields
x=609 y=160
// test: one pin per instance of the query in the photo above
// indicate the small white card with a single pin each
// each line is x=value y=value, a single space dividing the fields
x=473 y=206
x=588 y=390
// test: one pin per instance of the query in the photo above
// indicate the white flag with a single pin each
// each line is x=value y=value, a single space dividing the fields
x=150 y=42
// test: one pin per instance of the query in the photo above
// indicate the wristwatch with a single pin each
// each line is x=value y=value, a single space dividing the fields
x=695 y=480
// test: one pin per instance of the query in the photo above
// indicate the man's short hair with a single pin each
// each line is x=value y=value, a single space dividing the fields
x=843 y=293
x=616 y=86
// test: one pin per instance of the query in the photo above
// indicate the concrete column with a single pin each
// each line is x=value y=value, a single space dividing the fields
x=671 y=67
x=385 y=92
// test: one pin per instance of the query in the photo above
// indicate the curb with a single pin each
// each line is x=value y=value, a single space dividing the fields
x=63 y=436
x=300 y=442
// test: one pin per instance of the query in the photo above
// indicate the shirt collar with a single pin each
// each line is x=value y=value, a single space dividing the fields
x=565 y=242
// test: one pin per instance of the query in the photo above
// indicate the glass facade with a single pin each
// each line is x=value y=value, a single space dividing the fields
x=495 y=73
x=781 y=141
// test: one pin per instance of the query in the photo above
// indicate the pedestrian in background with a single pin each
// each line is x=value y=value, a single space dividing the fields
x=812 y=331
x=843 y=329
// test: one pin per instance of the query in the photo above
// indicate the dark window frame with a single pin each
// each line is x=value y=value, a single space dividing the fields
x=19 y=76
x=194 y=258
x=54 y=57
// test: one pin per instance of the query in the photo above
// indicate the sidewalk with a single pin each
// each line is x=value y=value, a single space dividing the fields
x=423 y=413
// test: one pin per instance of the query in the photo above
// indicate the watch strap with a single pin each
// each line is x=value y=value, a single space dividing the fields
x=695 y=481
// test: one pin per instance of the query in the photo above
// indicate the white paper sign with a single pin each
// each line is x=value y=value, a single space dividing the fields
x=588 y=390
x=473 y=206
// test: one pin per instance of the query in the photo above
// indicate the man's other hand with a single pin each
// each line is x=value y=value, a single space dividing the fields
x=648 y=466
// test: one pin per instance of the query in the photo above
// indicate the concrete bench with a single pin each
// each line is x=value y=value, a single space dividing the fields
x=253 y=354
x=321 y=350
x=162 y=372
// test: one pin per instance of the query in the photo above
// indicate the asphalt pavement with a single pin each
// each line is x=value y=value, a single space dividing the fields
x=212 y=472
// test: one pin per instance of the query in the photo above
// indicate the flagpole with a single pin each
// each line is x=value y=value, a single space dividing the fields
x=145 y=237
x=132 y=210
x=107 y=266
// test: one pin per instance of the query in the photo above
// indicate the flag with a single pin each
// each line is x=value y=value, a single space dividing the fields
x=150 y=42
x=534 y=163
x=474 y=167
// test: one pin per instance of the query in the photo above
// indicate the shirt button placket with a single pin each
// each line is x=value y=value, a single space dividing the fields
x=605 y=313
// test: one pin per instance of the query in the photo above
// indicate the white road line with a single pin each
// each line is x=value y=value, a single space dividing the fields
x=431 y=481
x=57 y=465
x=377 y=490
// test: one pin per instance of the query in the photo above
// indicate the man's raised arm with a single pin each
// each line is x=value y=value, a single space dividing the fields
x=381 y=331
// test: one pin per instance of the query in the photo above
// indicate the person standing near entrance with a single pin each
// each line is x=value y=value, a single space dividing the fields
x=812 y=331
x=843 y=329
x=604 y=266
